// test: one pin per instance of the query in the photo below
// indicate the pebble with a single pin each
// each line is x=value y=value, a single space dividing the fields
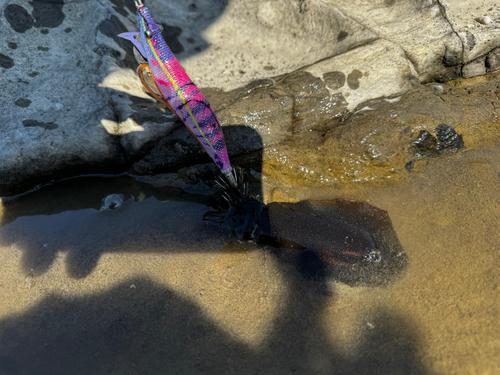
x=28 y=280
x=112 y=202
x=485 y=20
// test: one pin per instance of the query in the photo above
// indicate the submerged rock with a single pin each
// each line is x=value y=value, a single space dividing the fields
x=446 y=140
x=377 y=141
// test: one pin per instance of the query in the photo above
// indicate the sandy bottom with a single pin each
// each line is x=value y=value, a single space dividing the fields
x=149 y=288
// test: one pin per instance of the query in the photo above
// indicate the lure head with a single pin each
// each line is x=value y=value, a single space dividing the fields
x=147 y=25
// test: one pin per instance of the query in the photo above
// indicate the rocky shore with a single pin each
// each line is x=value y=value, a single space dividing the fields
x=326 y=91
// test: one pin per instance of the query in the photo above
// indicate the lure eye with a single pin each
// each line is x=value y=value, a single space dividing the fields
x=148 y=33
x=161 y=28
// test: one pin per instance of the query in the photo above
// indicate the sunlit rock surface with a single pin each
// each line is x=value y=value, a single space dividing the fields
x=73 y=104
x=378 y=141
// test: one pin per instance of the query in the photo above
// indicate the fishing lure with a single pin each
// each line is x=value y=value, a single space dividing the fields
x=176 y=90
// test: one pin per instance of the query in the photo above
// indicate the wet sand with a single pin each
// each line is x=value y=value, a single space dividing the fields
x=150 y=288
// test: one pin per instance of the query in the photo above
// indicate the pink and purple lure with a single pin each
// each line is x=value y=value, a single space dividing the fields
x=178 y=92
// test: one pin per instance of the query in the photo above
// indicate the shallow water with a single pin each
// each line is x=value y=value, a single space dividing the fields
x=148 y=287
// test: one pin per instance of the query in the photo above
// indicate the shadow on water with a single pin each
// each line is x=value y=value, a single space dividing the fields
x=151 y=328
x=160 y=213
x=72 y=221
x=351 y=242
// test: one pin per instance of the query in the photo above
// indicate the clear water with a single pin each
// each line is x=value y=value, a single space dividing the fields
x=150 y=288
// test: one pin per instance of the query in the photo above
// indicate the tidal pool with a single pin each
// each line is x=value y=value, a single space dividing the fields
x=148 y=287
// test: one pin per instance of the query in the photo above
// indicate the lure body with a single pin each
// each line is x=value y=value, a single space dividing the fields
x=180 y=93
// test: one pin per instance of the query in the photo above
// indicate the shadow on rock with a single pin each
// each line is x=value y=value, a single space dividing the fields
x=151 y=329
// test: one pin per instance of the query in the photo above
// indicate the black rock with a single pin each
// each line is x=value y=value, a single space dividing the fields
x=448 y=138
x=425 y=145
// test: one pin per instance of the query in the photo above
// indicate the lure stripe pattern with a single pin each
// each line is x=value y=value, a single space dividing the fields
x=189 y=104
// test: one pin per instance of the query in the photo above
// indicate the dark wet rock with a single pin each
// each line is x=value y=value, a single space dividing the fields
x=353 y=79
x=428 y=146
x=6 y=62
x=384 y=137
x=449 y=140
x=446 y=140
x=334 y=80
x=48 y=13
x=68 y=30
x=44 y=31
x=425 y=145
x=43 y=125
x=18 y=18
x=12 y=45
x=22 y=102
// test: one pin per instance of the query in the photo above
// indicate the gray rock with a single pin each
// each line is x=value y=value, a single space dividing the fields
x=474 y=68
x=493 y=60
x=478 y=38
x=72 y=103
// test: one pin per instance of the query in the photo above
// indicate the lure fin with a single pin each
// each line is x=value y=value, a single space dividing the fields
x=131 y=36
